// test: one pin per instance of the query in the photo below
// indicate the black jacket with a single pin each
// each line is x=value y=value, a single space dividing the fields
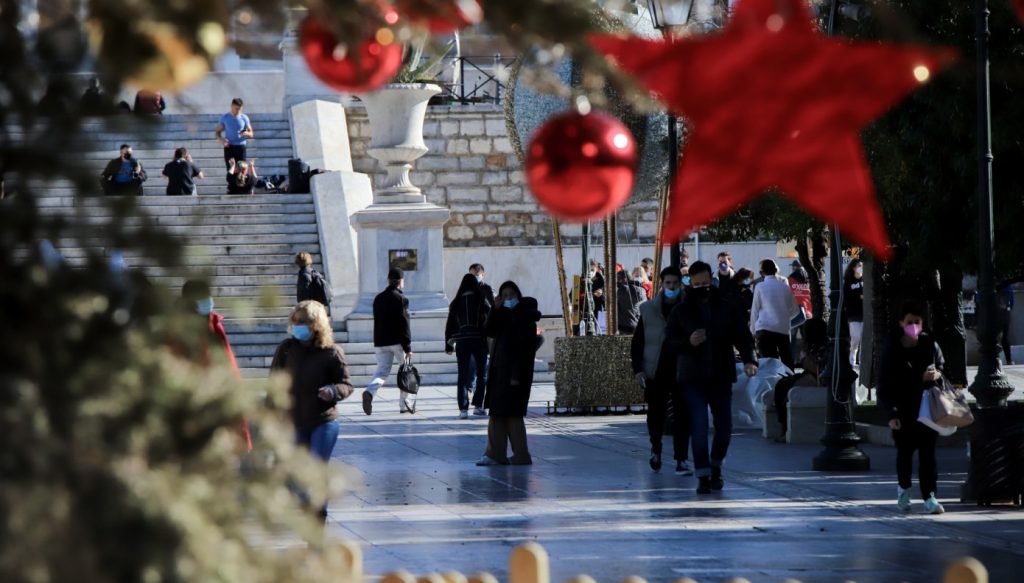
x=515 y=344
x=311 y=368
x=899 y=381
x=628 y=298
x=391 y=319
x=713 y=362
x=467 y=317
x=853 y=300
x=113 y=168
x=302 y=285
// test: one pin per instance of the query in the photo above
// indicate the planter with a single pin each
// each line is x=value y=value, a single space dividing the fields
x=595 y=371
x=396 y=114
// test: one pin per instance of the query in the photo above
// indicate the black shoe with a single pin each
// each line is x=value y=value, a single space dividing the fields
x=704 y=485
x=717 y=483
x=367 y=402
x=656 y=461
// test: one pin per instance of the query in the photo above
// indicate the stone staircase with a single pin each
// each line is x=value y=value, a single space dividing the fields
x=245 y=244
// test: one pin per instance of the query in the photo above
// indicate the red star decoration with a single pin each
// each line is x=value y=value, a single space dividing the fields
x=1018 y=5
x=775 y=104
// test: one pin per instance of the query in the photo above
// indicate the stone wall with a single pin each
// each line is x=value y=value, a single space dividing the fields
x=473 y=170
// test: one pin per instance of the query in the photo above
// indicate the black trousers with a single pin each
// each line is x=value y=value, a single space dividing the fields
x=236 y=152
x=1004 y=331
x=662 y=397
x=913 y=437
x=775 y=345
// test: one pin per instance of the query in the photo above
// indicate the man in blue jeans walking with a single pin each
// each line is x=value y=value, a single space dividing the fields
x=703 y=331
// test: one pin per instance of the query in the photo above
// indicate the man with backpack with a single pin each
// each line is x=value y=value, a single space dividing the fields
x=311 y=284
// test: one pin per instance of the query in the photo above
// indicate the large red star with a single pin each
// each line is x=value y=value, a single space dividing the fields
x=775 y=104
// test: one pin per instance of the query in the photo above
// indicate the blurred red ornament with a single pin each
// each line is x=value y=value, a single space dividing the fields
x=581 y=166
x=355 y=69
x=442 y=17
x=1018 y=5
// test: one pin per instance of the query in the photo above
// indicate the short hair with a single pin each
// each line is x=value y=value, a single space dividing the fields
x=768 y=267
x=322 y=336
x=647 y=260
x=724 y=254
x=303 y=259
x=671 y=270
x=395 y=274
x=237 y=101
x=699 y=267
x=477 y=267
x=911 y=307
x=684 y=254
x=195 y=290
x=180 y=153
x=744 y=273
x=123 y=146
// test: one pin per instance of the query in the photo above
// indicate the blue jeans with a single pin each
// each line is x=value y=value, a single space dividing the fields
x=719 y=399
x=472 y=357
x=320 y=440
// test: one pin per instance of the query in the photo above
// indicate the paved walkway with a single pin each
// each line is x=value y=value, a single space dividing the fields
x=420 y=503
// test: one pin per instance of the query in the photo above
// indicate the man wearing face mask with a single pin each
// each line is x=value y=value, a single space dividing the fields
x=702 y=332
x=912 y=361
x=123 y=175
x=654 y=364
x=392 y=339
x=477 y=270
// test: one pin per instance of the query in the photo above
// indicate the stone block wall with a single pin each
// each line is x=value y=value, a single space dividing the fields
x=473 y=170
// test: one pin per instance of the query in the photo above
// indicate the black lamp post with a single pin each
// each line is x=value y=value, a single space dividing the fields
x=666 y=15
x=994 y=425
x=841 y=453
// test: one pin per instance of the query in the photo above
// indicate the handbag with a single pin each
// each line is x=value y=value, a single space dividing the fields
x=924 y=417
x=948 y=405
x=408 y=378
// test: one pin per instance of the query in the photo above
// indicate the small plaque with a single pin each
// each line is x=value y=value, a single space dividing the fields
x=404 y=259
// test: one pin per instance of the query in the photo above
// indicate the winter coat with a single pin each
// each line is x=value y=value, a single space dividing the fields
x=899 y=381
x=467 y=317
x=113 y=168
x=515 y=344
x=391 y=323
x=647 y=349
x=853 y=300
x=628 y=298
x=312 y=368
x=713 y=362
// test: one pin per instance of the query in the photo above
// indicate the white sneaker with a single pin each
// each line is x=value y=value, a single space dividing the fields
x=684 y=468
x=903 y=500
x=479 y=411
x=487 y=461
x=463 y=414
x=932 y=506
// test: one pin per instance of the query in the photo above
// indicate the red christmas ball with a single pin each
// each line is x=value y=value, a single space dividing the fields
x=442 y=16
x=1018 y=5
x=581 y=167
x=354 y=69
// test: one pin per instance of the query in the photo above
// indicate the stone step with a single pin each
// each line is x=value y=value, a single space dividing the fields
x=280 y=281
x=201 y=228
x=212 y=220
x=162 y=151
x=226 y=241
x=282 y=202
x=200 y=257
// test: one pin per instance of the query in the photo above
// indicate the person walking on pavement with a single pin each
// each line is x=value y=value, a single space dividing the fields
x=319 y=380
x=629 y=296
x=464 y=335
x=725 y=277
x=487 y=293
x=853 y=305
x=771 y=315
x=513 y=326
x=233 y=132
x=310 y=284
x=702 y=332
x=654 y=365
x=392 y=340
x=912 y=361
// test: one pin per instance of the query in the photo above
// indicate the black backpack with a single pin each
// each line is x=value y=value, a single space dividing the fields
x=319 y=289
x=298 y=176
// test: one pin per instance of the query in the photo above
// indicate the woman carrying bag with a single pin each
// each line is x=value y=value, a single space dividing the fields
x=911 y=363
x=513 y=326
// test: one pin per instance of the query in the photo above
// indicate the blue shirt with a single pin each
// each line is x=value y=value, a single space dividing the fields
x=125 y=174
x=233 y=126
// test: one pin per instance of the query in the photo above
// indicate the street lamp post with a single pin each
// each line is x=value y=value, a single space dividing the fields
x=666 y=15
x=990 y=458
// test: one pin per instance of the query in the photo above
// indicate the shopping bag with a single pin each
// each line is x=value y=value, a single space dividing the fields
x=948 y=405
x=924 y=416
x=408 y=378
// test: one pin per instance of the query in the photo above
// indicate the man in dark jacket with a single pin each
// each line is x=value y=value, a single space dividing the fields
x=628 y=297
x=654 y=365
x=123 y=175
x=702 y=331
x=392 y=339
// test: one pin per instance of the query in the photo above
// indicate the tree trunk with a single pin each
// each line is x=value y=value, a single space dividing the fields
x=813 y=253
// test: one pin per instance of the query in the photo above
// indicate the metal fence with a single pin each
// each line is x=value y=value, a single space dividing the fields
x=475 y=79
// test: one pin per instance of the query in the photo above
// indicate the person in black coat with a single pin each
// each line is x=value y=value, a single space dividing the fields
x=123 y=175
x=513 y=326
x=464 y=335
x=911 y=363
x=392 y=339
x=702 y=332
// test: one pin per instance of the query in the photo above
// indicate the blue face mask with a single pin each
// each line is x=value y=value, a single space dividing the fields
x=671 y=293
x=300 y=332
x=511 y=303
x=479 y=279
x=204 y=307
x=686 y=280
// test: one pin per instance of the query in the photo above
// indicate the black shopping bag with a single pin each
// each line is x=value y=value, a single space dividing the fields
x=408 y=378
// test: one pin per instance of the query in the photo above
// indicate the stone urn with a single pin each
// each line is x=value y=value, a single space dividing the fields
x=396 y=115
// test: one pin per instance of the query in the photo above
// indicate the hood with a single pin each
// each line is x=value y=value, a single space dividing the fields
x=527 y=308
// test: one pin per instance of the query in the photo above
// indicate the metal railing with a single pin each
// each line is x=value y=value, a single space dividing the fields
x=476 y=80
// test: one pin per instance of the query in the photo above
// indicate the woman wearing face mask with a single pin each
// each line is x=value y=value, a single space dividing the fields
x=853 y=305
x=319 y=379
x=640 y=277
x=513 y=326
x=912 y=361
x=196 y=298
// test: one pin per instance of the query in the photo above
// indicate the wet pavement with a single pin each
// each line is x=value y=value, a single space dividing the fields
x=419 y=503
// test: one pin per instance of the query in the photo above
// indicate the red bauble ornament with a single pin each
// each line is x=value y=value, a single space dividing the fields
x=1018 y=5
x=581 y=167
x=442 y=16
x=355 y=69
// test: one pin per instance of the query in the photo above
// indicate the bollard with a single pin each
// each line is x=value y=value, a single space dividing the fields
x=582 y=579
x=454 y=577
x=685 y=580
x=737 y=580
x=352 y=560
x=483 y=577
x=528 y=563
x=431 y=578
x=966 y=570
x=398 y=577
x=634 y=579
